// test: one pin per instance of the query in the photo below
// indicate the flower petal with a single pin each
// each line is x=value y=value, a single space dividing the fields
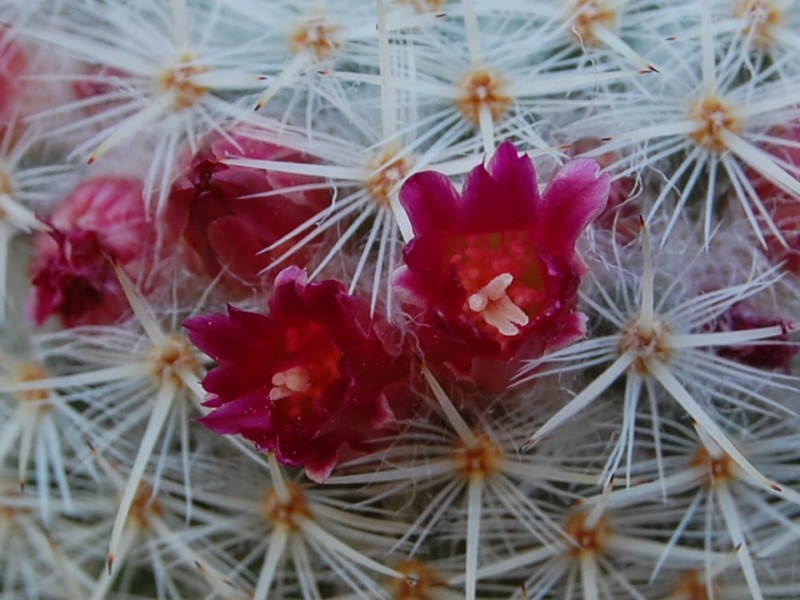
x=504 y=196
x=575 y=196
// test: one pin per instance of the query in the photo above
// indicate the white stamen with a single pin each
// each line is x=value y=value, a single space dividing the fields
x=496 y=308
x=289 y=382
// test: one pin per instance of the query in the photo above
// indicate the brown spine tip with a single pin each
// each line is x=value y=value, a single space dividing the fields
x=91 y=160
x=110 y=563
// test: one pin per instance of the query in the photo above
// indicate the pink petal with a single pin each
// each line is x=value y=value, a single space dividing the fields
x=503 y=197
x=575 y=196
x=237 y=248
x=431 y=201
x=231 y=338
x=319 y=469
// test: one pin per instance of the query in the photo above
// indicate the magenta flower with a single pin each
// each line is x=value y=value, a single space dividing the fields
x=493 y=272
x=315 y=381
x=227 y=214
x=102 y=221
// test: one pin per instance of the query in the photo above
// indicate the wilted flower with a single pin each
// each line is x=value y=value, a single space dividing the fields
x=314 y=381
x=229 y=214
x=102 y=221
x=493 y=272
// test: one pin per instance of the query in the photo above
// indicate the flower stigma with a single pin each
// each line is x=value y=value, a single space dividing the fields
x=497 y=309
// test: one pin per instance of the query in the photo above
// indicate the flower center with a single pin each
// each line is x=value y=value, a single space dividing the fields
x=305 y=383
x=587 y=15
x=178 y=82
x=6 y=185
x=692 y=586
x=479 y=460
x=387 y=172
x=316 y=37
x=714 y=117
x=647 y=344
x=422 y=6
x=718 y=470
x=32 y=372
x=587 y=537
x=10 y=510
x=482 y=89
x=289 y=382
x=6 y=189
x=760 y=17
x=287 y=512
x=504 y=279
x=172 y=358
x=497 y=309
x=144 y=506
x=419 y=582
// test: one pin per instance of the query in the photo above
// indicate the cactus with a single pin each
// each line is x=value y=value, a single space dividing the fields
x=399 y=299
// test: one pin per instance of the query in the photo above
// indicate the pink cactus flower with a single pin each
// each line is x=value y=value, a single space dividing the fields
x=228 y=214
x=492 y=274
x=102 y=221
x=316 y=381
